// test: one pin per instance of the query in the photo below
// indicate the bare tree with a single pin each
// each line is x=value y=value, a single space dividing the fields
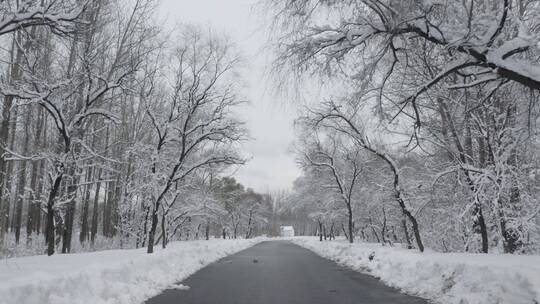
x=333 y=118
x=193 y=127
x=344 y=168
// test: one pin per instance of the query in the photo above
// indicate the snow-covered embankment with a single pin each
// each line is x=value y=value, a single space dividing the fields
x=449 y=278
x=113 y=276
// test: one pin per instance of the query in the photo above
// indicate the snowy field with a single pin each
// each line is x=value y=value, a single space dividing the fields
x=449 y=278
x=113 y=276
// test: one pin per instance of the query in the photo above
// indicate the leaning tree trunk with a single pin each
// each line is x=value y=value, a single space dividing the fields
x=361 y=140
x=415 y=227
x=406 y=231
x=155 y=218
x=401 y=202
x=344 y=231
x=163 y=231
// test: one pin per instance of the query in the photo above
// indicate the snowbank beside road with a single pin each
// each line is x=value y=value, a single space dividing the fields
x=113 y=276
x=449 y=278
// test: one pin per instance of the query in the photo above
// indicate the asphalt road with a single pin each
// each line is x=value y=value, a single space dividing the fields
x=280 y=272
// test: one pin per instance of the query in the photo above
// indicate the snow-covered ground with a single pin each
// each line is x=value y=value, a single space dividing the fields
x=112 y=276
x=455 y=278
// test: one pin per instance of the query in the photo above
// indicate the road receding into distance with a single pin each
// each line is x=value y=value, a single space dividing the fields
x=280 y=272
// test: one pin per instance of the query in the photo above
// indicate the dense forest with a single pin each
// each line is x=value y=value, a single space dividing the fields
x=116 y=133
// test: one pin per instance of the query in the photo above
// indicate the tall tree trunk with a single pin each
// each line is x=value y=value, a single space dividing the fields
x=479 y=224
x=95 y=209
x=41 y=181
x=106 y=210
x=34 y=211
x=21 y=183
x=152 y=232
x=50 y=228
x=108 y=189
x=40 y=137
x=117 y=198
x=70 y=210
x=321 y=231
x=511 y=207
x=83 y=235
x=11 y=210
x=350 y=222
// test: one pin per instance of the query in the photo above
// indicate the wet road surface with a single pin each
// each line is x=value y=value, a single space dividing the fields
x=279 y=272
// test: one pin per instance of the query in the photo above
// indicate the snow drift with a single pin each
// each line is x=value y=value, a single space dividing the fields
x=113 y=276
x=449 y=278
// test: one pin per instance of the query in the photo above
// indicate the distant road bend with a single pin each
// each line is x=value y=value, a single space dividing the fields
x=279 y=272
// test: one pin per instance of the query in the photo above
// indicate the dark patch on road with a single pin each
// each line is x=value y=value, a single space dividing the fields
x=283 y=274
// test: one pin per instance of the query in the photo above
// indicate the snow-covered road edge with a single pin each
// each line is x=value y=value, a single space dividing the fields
x=114 y=276
x=452 y=278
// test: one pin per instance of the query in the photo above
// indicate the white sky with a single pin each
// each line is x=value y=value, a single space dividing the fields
x=269 y=119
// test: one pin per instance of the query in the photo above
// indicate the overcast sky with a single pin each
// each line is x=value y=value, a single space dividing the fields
x=269 y=118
